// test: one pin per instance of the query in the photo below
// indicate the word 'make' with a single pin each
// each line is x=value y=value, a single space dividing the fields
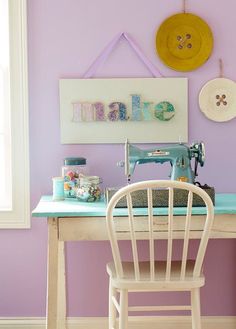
x=118 y=111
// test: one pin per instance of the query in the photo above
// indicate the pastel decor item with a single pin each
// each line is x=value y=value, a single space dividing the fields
x=99 y=107
x=184 y=42
x=144 y=110
x=164 y=111
x=58 y=189
x=147 y=111
x=136 y=105
x=116 y=109
x=217 y=99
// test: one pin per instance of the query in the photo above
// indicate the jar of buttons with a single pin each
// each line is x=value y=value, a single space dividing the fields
x=72 y=169
x=89 y=190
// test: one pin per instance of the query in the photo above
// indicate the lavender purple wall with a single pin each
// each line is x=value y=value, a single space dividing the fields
x=64 y=38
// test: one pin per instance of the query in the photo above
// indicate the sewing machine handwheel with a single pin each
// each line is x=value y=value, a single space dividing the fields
x=201 y=154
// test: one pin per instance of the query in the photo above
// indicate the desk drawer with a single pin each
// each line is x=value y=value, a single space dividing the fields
x=94 y=228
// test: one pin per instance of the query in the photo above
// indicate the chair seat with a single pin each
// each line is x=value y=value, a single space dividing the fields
x=159 y=283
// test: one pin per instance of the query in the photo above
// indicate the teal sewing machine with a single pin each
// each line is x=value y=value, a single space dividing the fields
x=178 y=155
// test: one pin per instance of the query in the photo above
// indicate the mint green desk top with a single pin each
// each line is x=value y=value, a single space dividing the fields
x=225 y=204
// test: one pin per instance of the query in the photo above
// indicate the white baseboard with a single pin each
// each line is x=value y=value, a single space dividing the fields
x=176 y=322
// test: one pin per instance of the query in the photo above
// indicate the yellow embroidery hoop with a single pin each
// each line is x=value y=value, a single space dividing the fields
x=184 y=42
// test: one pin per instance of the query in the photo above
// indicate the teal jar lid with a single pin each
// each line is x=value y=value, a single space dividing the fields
x=74 y=161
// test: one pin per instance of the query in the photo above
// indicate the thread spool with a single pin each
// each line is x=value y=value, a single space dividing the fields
x=58 y=189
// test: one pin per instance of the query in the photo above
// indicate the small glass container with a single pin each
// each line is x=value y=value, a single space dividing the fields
x=89 y=190
x=72 y=169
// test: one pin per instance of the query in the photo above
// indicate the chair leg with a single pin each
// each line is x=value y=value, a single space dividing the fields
x=112 y=308
x=196 y=309
x=123 y=321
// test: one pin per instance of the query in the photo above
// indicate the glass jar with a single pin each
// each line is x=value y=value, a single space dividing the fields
x=72 y=169
x=89 y=190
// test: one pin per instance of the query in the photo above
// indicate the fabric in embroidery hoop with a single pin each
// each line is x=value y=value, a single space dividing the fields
x=109 y=48
x=217 y=99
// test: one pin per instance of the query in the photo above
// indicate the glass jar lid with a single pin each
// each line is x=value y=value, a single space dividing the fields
x=74 y=161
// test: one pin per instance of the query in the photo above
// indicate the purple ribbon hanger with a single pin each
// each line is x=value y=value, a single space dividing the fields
x=108 y=49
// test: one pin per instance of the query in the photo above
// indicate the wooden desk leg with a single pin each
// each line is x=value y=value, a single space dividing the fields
x=56 y=294
x=61 y=288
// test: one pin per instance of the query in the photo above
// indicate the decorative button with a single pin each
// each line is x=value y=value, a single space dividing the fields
x=221 y=99
x=184 y=41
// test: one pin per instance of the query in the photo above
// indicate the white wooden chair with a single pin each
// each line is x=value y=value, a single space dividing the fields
x=155 y=275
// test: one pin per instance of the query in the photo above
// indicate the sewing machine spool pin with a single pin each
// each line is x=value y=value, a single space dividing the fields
x=122 y=164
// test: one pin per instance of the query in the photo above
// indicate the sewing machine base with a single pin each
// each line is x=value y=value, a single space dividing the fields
x=160 y=198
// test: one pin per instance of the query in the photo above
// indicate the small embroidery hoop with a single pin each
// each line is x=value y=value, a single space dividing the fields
x=206 y=97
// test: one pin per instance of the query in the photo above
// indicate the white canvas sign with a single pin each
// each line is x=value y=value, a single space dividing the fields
x=145 y=110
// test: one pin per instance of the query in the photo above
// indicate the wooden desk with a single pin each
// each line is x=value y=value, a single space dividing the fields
x=71 y=220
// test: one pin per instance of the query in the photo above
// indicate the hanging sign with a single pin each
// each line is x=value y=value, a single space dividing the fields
x=111 y=110
x=148 y=110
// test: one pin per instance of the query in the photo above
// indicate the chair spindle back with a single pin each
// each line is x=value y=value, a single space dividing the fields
x=152 y=233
